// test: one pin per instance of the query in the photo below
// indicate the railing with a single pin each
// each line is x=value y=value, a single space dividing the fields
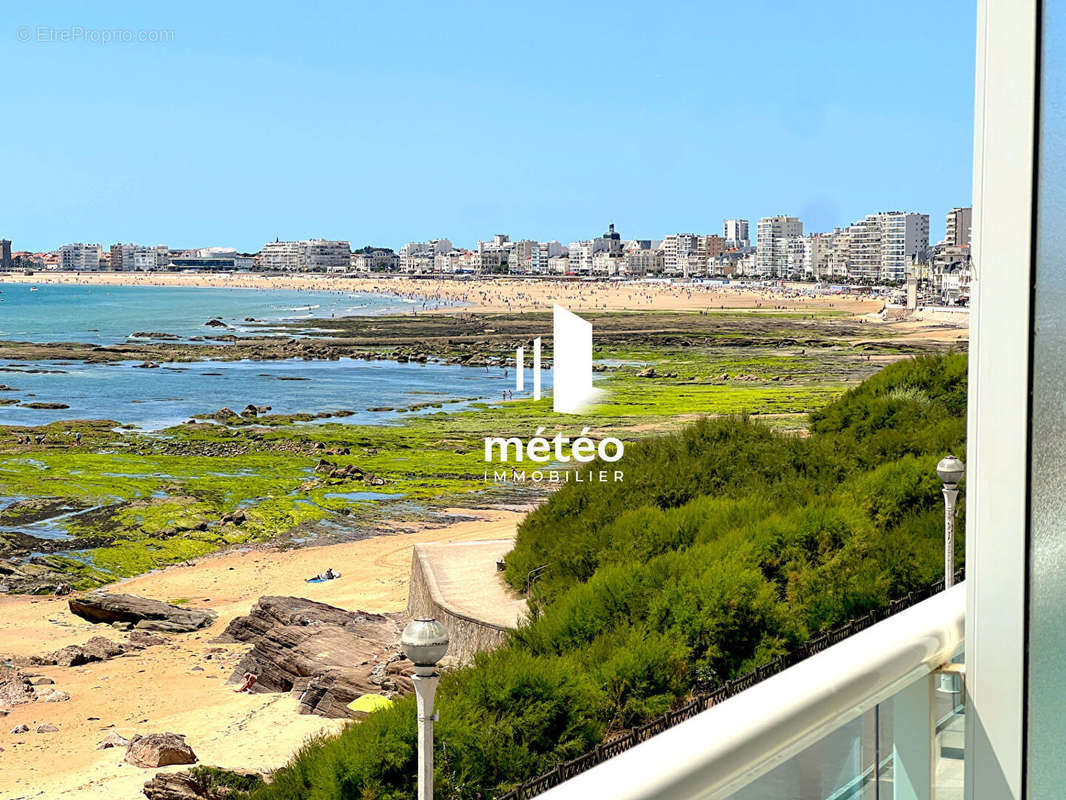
x=706 y=748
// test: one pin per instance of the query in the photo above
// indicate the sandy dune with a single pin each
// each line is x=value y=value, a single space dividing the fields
x=179 y=686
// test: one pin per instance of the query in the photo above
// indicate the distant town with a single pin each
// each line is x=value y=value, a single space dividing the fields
x=882 y=249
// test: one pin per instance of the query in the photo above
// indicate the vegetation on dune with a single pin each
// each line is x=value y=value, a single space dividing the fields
x=726 y=545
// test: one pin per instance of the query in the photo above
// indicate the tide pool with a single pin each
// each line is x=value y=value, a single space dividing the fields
x=170 y=394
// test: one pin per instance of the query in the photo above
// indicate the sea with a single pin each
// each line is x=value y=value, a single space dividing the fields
x=152 y=399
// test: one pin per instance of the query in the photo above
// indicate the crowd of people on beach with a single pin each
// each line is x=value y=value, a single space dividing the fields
x=509 y=294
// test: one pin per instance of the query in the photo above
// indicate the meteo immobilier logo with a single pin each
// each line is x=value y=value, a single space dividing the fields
x=572 y=393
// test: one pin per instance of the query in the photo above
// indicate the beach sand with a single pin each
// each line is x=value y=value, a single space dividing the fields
x=159 y=689
x=497 y=294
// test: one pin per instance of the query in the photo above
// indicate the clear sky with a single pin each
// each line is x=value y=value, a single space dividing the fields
x=384 y=122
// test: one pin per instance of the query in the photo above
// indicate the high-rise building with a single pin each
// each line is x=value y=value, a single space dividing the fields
x=771 y=244
x=880 y=247
x=6 y=261
x=959 y=223
x=735 y=233
x=79 y=257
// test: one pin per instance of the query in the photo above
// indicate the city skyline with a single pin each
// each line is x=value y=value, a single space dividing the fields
x=395 y=124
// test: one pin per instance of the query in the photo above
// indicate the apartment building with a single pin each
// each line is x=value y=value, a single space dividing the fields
x=773 y=235
x=79 y=257
x=138 y=257
x=6 y=262
x=308 y=255
x=643 y=260
x=959 y=223
x=374 y=259
x=735 y=233
x=882 y=246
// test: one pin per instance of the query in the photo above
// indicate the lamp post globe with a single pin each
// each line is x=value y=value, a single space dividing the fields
x=950 y=470
x=425 y=642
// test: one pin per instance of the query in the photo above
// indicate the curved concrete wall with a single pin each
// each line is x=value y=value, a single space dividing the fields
x=469 y=635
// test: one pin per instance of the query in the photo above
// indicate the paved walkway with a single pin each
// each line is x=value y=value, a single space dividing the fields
x=466 y=577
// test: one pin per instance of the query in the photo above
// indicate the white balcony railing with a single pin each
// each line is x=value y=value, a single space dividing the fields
x=864 y=711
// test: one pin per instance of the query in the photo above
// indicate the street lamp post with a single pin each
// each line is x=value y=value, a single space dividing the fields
x=950 y=471
x=425 y=641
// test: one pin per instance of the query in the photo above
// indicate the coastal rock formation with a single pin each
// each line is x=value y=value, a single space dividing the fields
x=96 y=649
x=145 y=614
x=186 y=785
x=15 y=688
x=159 y=750
x=113 y=739
x=326 y=655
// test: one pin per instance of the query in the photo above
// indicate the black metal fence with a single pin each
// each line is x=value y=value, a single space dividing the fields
x=704 y=700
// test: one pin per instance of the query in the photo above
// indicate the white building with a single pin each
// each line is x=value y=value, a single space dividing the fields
x=881 y=246
x=735 y=232
x=771 y=254
x=138 y=257
x=308 y=255
x=79 y=257
x=421 y=256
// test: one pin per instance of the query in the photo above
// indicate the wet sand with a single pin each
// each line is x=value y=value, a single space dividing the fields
x=160 y=688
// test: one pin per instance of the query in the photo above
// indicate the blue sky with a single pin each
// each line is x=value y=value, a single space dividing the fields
x=393 y=121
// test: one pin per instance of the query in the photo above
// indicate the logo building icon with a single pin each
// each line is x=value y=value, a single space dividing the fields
x=572 y=391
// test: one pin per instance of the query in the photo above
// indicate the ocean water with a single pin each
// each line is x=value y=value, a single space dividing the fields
x=157 y=398
x=152 y=399
x=109 y=314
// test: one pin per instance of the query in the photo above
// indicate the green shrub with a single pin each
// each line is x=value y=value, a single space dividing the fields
x=726 y=546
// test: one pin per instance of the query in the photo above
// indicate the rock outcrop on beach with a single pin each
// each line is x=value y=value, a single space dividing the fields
x=144 y=614
x=326 y=655
x=96 y=649
x=200 y=785
x=15 y=688
x=159 y=750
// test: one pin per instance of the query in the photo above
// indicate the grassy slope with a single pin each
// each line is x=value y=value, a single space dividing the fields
x=727 y=545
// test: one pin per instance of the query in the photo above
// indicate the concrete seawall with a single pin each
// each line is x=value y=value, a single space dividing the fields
x=458 y=584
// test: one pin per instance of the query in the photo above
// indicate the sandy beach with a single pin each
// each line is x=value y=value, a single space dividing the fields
x=179 y=686
x=497 y=294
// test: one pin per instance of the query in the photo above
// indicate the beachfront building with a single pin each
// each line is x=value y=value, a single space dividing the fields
x=689 y=254
x=524 y=258
x=735 y=233
x=420 y=257
x=808 y=256
x=643 y=257
x=79 y=257
x=374 y=259
x=138 y=257
x=959 y=224
x=772 y=244
x=736 y=261
x=308 y=255
x=881 y=246
x=494 y=256
x=582 y=253
x=559 y=265
x=211 y=259
x=6 y=261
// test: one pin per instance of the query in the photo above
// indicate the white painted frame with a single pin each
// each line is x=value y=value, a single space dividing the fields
x=998 y=431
